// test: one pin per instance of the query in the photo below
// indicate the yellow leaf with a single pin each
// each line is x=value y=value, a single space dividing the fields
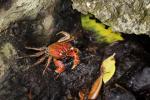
x=103 y=34
x=95 y=88
x=108 y=68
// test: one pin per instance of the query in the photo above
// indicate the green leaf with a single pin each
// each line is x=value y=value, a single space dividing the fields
x=103 y=34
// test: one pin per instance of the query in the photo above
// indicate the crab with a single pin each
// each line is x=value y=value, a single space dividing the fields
x=56 y=52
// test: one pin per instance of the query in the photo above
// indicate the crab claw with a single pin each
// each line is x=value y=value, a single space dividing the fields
x=76 y=61
x=60 y=67
x=74 y=54
x=74 y=66
x=67 y=36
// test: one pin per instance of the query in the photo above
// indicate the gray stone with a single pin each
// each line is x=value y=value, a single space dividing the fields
x=127 y=16
x=23 y=9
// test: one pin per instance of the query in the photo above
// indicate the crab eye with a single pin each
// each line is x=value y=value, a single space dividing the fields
x=60 y=54
x=71 y=48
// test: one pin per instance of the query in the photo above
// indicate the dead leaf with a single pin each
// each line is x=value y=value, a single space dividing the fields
x=95 y=88
x=108 y=68
x=81 y=95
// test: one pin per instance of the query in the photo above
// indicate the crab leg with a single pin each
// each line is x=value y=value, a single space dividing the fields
x=39 y=61
x=66 y=38
x=74 y=54
x=48 y=62
x=37 y=49
x=37 y=54
x=34 y=55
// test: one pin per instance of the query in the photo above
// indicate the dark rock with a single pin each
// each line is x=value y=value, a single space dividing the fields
x=132 y=67
x=117 y=93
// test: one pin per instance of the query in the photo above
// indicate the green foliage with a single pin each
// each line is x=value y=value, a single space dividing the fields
x=104 y=35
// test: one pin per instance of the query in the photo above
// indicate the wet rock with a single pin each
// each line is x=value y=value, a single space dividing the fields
x=32 y=31
x=10 y=87
x=22 y=9
x=132 y=16
x=139 y=78
x=117 y=93
x=66 y=18
x=128 y=54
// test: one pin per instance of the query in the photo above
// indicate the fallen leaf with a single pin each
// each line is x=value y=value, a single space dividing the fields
x=108 y=68
x=95 y=88
x=103 y=34
x=81 y=95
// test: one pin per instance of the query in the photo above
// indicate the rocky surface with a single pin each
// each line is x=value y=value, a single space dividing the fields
x=132 y=71
x=20 y=81
x=14 y=10
x=17 y=78
x=132 y=16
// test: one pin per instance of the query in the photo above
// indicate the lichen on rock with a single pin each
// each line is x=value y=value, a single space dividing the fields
x=6 y=52
x=132 y=16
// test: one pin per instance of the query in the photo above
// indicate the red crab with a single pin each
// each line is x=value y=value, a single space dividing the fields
x=56 y=52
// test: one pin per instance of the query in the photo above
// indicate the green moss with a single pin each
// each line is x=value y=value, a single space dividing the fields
x=104 y=35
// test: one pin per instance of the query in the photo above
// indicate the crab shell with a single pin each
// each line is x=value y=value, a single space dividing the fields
x=60 y=50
